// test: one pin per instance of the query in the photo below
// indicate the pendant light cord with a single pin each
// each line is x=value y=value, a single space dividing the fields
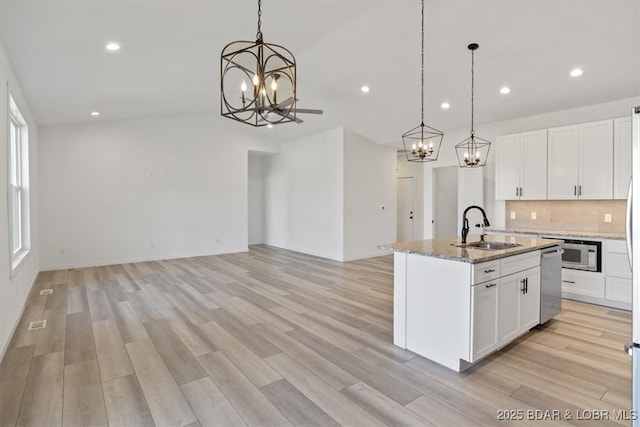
x=472 y=90
x=422 y=81
x=259 y=33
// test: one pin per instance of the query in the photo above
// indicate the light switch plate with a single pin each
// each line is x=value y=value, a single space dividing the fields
x=513 y=215
x=607 y=217
x=534 y=215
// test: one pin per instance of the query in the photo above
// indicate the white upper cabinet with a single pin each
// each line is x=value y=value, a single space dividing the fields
x=621 y=157
x=521 y=166
x=508 y=159
x=534 y=165
x=580 y=163
x=596 y=160
x=563 y=163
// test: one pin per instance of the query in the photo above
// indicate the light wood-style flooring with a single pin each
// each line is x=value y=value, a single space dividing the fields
x=277 y=338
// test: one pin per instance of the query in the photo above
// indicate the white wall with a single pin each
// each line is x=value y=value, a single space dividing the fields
x=152 y=188
x=256 y=199
x=496 y=208
x=14 y=290
x=304 y=195
x=445 y=181
x=369 y=184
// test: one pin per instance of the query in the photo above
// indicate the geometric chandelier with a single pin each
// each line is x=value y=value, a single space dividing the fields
x=422 y=143
x=258 y=81
x=473 y=151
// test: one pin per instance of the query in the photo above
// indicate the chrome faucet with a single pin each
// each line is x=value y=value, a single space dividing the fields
x=465 y=222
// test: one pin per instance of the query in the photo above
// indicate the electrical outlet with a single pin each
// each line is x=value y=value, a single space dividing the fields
x=607 y=217
x=513 y=215
x=534 y=215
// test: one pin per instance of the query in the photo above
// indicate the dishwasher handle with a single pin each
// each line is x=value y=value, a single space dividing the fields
x=553 y=253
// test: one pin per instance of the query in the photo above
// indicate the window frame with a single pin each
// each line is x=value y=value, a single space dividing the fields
x=18 y=187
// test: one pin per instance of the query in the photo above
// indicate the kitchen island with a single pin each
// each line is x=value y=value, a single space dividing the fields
x=455 y=304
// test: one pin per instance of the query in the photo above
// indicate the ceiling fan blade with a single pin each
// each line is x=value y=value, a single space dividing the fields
x=286 y=102
x=285 y=115
x=308 y=111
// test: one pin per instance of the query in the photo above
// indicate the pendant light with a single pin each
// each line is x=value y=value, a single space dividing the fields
x=258 y=81
x=473 y=151
x=422 y=143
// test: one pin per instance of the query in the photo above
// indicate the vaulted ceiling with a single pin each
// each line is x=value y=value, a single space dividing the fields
x=169 y=61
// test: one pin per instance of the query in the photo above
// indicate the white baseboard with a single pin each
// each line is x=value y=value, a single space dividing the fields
x=5 y=347
x=378 y=253
x=598 y=301
x=141 y=259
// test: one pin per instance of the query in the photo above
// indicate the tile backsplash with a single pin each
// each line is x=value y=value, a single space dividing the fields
x=568 y=215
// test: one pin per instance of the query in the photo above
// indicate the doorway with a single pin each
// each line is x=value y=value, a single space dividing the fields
x=445 y=201
x=256 y=199
x=406 y=209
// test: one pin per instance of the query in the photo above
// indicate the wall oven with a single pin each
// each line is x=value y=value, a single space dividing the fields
x=582 y=255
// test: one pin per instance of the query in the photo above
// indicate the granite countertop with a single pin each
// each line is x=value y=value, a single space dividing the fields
x=444 y=248
x=562 y=233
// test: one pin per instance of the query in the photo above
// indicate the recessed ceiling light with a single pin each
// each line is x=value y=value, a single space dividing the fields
x=95 y=113
x=576 y=72
x=112 y=46
x=445 y=105
x=505 y=90
x=270 y=126
x=365 y=89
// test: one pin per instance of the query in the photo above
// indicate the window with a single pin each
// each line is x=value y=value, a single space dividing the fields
x=18 y=185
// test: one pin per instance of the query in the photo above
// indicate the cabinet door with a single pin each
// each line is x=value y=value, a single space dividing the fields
x=510 y=289
x=585 y=283
x=621 y=157
x=618 y=289
x=530 y=300
x=596 y=160
x=508 y=167
x=562 y=172
x=533 y=165
x=484 y=331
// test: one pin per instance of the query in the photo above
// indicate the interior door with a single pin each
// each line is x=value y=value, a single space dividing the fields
x=406 y=206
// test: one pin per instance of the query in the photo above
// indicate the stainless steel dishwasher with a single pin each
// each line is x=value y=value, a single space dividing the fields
x=551 y=283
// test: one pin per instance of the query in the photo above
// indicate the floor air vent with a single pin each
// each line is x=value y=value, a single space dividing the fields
x=46 y=292
x=38 y=324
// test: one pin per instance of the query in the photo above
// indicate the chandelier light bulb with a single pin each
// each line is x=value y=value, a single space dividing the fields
x=256 y=80
x=274 y=84
x=243 y=86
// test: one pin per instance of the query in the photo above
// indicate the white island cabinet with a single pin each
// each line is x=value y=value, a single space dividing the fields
x=456 y=305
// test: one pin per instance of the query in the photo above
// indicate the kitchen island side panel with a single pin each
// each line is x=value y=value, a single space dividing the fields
x=438 y=309
x=399 y=299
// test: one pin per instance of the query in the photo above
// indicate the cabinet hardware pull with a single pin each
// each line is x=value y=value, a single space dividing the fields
x=522 y=288
x=517 y=192
x=526 y=285
x=490 y=285
x=568 y=281
x=575 y=190
x=579 y=190
x=520 y=191
x=489 y=271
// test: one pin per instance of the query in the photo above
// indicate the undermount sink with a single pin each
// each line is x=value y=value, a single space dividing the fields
x=496 y=246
